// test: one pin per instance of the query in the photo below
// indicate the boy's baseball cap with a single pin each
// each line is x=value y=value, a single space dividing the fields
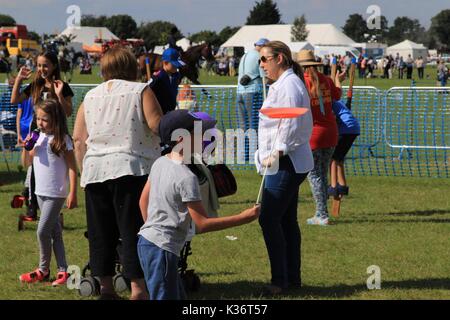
x=180 y=119
x=171 y=55
x=261 y=42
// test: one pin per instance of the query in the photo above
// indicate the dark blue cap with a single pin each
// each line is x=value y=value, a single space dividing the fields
x=171 y=55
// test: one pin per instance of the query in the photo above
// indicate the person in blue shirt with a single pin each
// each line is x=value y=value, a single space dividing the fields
x=165 y=82
x=349 y=130
x=247 y=90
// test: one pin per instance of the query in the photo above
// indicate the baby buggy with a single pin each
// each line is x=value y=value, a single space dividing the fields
x=90 y=285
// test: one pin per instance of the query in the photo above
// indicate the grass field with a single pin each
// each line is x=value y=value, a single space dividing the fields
x=401 y=225
x=430 y=79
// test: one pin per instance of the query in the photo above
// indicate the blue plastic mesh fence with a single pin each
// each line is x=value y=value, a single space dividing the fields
x=404 y=131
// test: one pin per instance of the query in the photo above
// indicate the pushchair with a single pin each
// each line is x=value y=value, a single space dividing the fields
x=90 y=285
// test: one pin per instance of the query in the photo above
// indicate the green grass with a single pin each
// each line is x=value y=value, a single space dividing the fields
x=384 y=84
x=399 y=224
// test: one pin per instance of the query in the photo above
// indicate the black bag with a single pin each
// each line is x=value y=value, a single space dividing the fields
x=245 y=80
x=223 y=180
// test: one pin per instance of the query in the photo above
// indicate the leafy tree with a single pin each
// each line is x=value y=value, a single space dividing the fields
x=227 y=32
x=208 y=36
x=6 y=20
x=440 y=29
x=298 y=31
x=90 y=20
x=405 y=28
x=264 y=12
x=122 y=25
x=34 y=36
x=156 y=33
x=355 y=27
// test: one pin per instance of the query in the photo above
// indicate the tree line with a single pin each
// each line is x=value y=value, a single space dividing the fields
x=267 y=12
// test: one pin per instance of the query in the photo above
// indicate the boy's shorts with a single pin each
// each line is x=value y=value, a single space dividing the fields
x=160 y=271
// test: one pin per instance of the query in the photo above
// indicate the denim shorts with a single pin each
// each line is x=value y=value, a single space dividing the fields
x=160 y=271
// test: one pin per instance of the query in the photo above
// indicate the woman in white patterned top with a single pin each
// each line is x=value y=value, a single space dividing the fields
x=116 y=144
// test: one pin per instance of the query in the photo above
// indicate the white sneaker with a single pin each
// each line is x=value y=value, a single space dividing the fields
x=317 y=221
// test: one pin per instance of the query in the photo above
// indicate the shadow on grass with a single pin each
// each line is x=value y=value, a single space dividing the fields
x=249 y=290
x=419 y=213
x=252 y=201
x=7 y=178
x=393 y=221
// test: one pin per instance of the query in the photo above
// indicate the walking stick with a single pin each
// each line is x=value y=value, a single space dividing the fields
x=147 y=68
x=278 y=113
x=350 y=85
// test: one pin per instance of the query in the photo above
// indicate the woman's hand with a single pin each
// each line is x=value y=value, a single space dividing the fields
x=270 y=160
x=58 y=86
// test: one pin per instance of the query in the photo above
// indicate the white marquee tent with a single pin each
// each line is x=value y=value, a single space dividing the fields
x=408 y=47
x=319 y=34
x=87 y=35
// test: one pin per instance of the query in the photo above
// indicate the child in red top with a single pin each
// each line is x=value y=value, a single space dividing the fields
x=325 y=131
x=324 y=138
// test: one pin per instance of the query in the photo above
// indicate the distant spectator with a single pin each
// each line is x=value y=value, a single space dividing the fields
x=420 y=65
x=326 y=65
x=401 y=66
x=442 y=71
x=409 y=67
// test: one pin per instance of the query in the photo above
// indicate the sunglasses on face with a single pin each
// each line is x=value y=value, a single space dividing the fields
x=265 y=59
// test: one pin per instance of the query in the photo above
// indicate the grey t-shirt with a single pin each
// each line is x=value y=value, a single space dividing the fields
x=172 y=184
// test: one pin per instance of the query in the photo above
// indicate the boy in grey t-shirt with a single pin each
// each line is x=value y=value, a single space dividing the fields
x=170 y=199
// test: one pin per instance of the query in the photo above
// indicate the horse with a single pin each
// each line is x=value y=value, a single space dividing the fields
x=190 y=57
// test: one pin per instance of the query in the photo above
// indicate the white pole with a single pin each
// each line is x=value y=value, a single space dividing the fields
x=258 y=200
x=264 y=88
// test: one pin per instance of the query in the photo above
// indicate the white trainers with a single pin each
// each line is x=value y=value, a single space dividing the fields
x=317 y=221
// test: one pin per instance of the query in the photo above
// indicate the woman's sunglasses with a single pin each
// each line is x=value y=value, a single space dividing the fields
x=265 y=59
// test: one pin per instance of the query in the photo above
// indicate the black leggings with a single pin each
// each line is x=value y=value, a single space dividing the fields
x=112 y=211
x=345 y=142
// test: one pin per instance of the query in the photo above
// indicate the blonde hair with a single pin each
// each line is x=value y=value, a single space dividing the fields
x=312 y=72
x=119 y=63
x=279 y=48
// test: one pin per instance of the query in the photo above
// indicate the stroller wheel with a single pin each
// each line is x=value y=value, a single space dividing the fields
x=191 y=281
x=89 y=286
x=119 y=283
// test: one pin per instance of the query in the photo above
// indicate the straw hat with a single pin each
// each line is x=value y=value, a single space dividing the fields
x=306 y=58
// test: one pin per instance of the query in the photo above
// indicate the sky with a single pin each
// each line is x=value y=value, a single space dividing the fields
x=191 y=16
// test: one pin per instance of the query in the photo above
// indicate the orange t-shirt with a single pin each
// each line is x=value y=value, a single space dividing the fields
x=325 y=130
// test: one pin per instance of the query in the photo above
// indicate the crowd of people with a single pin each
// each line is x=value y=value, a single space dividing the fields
x=138 y=188
x=389 y=66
